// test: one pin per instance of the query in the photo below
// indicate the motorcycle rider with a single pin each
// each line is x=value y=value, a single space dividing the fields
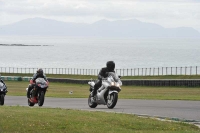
x=3 y=83
x=110 y=66
x=38 y=74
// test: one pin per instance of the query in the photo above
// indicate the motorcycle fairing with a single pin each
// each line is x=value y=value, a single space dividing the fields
x=2 y=88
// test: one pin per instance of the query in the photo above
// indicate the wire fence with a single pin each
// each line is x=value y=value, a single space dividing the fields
x=191 y=70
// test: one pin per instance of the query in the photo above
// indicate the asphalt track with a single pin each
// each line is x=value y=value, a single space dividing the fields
x=176 y=109
x=185 y=110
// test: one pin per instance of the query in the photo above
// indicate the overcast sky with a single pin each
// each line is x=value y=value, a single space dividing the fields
x=167 y=13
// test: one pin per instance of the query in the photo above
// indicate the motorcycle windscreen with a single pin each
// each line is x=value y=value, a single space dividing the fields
x=114 y=76
x=40 y=81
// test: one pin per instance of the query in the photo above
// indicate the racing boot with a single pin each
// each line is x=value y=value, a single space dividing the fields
x=94 y=92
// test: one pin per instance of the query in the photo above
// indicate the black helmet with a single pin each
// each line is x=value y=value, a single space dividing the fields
x=40 y=71
x=110 y=65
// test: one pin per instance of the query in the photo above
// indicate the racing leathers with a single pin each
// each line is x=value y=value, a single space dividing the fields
x=102 y=74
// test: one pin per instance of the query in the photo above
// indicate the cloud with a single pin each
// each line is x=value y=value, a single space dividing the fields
x=170 y=13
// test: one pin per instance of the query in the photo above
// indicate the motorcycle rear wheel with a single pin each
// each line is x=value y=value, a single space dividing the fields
x=112 y=101
x=2 y=99
x=91 y=102
x=41 y=98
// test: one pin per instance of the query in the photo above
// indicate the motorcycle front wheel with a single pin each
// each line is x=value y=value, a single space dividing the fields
x=30 y=103
x=112 y=100
x=2 y=99
x=41 y=98
x=91 y=102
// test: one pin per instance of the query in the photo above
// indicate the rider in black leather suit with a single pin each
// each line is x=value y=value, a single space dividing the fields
x=110 y=66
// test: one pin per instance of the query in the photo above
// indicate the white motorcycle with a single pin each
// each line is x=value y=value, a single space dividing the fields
x=107 y=94
x=3 y=91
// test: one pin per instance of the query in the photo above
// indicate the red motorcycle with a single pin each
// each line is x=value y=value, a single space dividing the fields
x=41 y=87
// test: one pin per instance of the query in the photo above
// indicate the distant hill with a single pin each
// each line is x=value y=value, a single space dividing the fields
x=103 y=28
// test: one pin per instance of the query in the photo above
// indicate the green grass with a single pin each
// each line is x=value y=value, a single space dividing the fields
x=16 y=119
x=17 y=88
x=95 y=77
x=24 y=119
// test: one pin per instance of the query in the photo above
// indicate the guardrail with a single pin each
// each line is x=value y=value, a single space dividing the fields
x=15 y=78
x=136 y=82
x=191 y=70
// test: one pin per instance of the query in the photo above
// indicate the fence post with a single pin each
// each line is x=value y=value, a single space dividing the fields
x=181 y=71
x=185 y=70
x=142 y=71
x=131 y=72
x=158 y=71
x=171 y=70
x=162 y=71
x=153 y=71
x=176 y=70
x=196 y=70
x=190 y=70
x=149 y=71
x=145 y=71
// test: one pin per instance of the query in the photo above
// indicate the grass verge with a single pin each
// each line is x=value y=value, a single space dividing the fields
x=17 y=88
x=16 y=119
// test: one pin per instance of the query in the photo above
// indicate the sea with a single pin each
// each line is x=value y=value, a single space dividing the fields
x=94 y=52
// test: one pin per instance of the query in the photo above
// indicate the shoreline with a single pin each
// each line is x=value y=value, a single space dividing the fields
x=22 y=45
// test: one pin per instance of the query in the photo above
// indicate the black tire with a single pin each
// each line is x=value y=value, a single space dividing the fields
x=112 y=101
x=91 y=103
x=2 y=99
x=30 y=103
x=41 y=99
x=28 y=94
